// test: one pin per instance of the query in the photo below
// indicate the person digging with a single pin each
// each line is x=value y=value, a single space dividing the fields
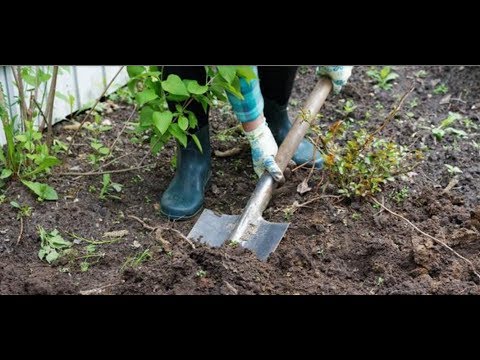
x=265 y=122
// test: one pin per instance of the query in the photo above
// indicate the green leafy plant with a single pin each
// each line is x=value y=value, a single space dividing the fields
x=137 y=260
x=23 y=210
x=440 y=89
x=383 y=77
x=421 y=74
x=401 y=195
x=201 y=273
x=27 y=154
x=52 y=245
x=162 y=102
x=109 y=187
x=444 y=128
x=100 y=152
x=43 y=191
x=122 y=95
x=453 y=170
x=359 y=163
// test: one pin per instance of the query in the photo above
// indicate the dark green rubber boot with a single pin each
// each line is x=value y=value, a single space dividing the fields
x=185 y=195
x=279 y=124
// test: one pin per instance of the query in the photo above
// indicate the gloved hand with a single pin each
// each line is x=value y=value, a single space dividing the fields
x=337 y=73
x=264 y=149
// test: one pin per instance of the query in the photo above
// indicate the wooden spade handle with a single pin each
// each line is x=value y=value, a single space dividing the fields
x=300 y=127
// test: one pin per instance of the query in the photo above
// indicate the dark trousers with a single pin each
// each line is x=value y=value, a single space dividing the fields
x=276 y=83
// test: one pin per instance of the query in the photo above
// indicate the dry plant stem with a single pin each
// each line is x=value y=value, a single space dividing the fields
x=16 y=71
x=389 y=118
x=33 y=97
x=93 y=173
x=230 y=152
x=93 y=108
x=112 y=161
x=49 y=109
x=161 y=228
x=21 y=231
x=450 y=185
x=429 y=236
x=123 y=129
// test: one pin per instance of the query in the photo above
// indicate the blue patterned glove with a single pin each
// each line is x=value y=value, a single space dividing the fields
x=264 y=148
x=337 y=73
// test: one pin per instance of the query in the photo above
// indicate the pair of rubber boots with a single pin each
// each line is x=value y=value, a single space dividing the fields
x=184 y=196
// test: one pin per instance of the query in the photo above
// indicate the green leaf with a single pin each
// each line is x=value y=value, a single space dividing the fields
x=145 y=96
x=175 y=86
x=41 y=253
x=135 y=70
x=43 y=76
x=197 y=142
x=43 y=191
x=183 y=123
x=146 y=116
x=162 y=120
x=195 y=88
x=6 y=173
x=104 y=151
x=384 y=72
x=52 y=256
x=391 y=76
x=192 y=120
x=15 y=204
x=246 y=72
x=227 y=72
x=22 y=138
x=47 y=162
x=178 y=133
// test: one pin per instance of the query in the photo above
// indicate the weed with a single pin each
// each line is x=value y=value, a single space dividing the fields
x=201 y=273
x=383 y=77
x=401 y=195
x=52 y=245
x=453 y=170
x=108 y=187
x=440 y=89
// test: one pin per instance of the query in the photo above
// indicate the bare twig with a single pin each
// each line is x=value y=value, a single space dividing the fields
x=389 y=118
x=381 y=208
x=16 y=71
x=161 y=228
x=113 y=160
x=93 y=173
x=450 y=185
x=93 y=108
x=21 y=230
x=98 y=290
x=49 y=109
x=110 y=149
x=230 y=152
x=429 y=236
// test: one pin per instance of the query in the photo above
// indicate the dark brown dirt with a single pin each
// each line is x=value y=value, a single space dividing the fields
x=327 y=249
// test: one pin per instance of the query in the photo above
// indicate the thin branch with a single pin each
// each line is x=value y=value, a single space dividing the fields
x=21 y=231
x=112 y=161
x=389 y=118
x=23 y=106
x=161 y=228
x=49 y=109
x=93 y=173
x=93 y=108
x=110 y=149
x=33 y=96
x=429 y=236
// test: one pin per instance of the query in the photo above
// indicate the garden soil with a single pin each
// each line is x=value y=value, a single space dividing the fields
x=333 y=245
